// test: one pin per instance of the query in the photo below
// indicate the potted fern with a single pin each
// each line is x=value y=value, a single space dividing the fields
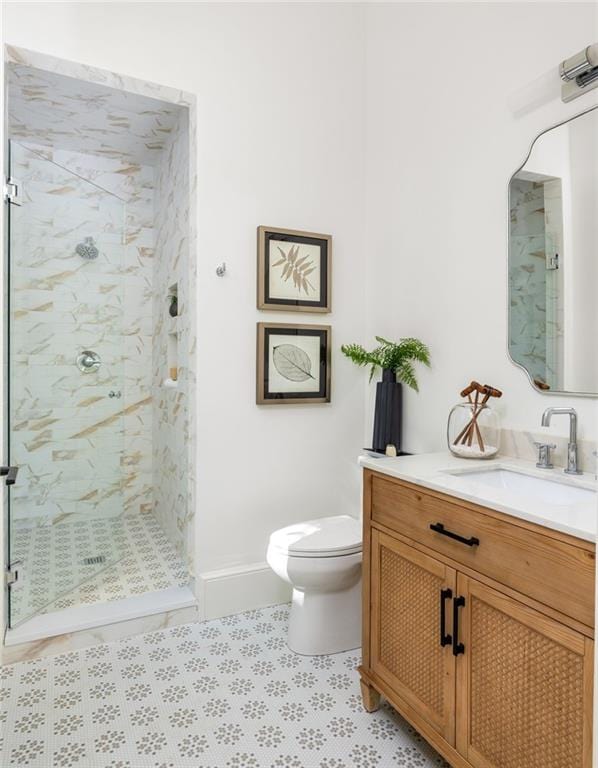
x=398 y=367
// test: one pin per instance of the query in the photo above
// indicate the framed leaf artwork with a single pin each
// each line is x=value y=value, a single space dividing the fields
x=293 y=270
x=293 y=363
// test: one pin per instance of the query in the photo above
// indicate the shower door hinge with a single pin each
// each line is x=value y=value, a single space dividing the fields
x=552 y=262
x=12 y=191
x=12 y=574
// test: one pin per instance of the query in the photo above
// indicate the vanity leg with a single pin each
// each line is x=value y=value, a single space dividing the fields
x=370 y=696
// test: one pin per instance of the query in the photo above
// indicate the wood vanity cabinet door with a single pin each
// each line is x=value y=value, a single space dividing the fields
x=524 y=685
x=405 y=642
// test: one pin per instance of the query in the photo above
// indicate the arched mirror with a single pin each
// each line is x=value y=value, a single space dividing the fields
x=553 y=259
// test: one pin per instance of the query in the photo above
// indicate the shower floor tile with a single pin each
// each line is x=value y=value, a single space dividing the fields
x=220 y=694
x=138 y=558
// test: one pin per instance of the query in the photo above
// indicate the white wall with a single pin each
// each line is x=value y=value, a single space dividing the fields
x=280 y=140
x=442 y=143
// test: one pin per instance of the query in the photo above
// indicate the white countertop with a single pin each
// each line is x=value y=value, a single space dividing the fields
x=431 y=470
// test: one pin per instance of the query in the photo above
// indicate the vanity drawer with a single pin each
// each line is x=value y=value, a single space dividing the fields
x=546 y=568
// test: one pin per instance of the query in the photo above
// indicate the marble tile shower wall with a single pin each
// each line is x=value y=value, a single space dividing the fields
x=534 y=317
x=81 y=453
x=171 y=418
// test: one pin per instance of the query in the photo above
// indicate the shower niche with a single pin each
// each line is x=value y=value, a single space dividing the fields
x=100 y=515
x=172 y=344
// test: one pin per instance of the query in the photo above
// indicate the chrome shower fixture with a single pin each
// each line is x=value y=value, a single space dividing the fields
x=579 y=73
x=88 y=361
x=87 y=249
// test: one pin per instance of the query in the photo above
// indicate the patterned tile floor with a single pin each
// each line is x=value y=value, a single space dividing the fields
x=138 y=556
x=219 y=694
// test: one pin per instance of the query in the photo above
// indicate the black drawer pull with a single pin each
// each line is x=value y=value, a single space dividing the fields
x=458 y=648
x=445 y=639
x=472 y=541
x=10 y=473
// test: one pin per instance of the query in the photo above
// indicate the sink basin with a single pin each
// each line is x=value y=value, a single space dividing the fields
x=547 y=490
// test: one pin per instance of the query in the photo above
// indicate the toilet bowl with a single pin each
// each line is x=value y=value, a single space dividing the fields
x=321 y=560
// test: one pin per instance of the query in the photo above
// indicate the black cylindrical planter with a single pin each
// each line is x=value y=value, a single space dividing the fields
x=387 y=416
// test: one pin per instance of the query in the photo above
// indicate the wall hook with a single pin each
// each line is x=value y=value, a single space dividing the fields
x=221 y=270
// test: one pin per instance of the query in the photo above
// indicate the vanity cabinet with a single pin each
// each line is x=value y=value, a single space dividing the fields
x=523 y=682
x=407 y=589
x=477 y=628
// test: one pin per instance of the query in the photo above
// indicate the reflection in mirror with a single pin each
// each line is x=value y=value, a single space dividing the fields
x=553 y=259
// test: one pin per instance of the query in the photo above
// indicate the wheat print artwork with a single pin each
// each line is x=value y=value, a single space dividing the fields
x=293 y=270
x=293 y=265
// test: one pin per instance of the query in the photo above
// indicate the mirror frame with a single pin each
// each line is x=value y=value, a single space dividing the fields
x=569 y=393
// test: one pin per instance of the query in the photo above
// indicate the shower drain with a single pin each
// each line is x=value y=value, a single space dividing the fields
x=96 y=560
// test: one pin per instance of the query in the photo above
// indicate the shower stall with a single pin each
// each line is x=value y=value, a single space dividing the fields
x=100 y=375
x=66 y=378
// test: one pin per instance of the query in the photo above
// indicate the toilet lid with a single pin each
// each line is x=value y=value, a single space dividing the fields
x=339 y=535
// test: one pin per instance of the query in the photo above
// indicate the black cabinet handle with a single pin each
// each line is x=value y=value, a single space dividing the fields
x=472 y=541
x=10 y=473
x=458 y=648
x=445 y=639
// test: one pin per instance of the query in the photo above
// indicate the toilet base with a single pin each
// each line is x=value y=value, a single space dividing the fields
x=325 y=622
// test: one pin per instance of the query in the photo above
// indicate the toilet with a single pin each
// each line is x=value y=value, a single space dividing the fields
x=321 y=560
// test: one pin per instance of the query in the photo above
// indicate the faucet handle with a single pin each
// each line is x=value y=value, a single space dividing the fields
x=544 y=454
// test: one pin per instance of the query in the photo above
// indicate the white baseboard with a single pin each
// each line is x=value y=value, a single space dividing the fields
x=243 y=588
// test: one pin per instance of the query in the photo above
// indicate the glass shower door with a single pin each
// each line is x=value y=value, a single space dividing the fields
x=66 y=384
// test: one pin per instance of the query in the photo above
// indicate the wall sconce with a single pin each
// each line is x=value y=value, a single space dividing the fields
x=579 y=73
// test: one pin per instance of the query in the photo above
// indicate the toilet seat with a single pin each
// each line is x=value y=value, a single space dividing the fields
x=324 y=537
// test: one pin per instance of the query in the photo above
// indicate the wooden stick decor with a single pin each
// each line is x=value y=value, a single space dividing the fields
x=471 y=431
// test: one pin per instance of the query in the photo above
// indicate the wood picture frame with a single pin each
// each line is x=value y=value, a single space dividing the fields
x=294 y=270
x=293 y=364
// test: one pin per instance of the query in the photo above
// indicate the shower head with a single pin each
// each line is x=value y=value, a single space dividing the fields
x=87 y=249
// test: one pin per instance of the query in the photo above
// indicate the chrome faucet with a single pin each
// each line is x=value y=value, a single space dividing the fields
x=572 y=468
